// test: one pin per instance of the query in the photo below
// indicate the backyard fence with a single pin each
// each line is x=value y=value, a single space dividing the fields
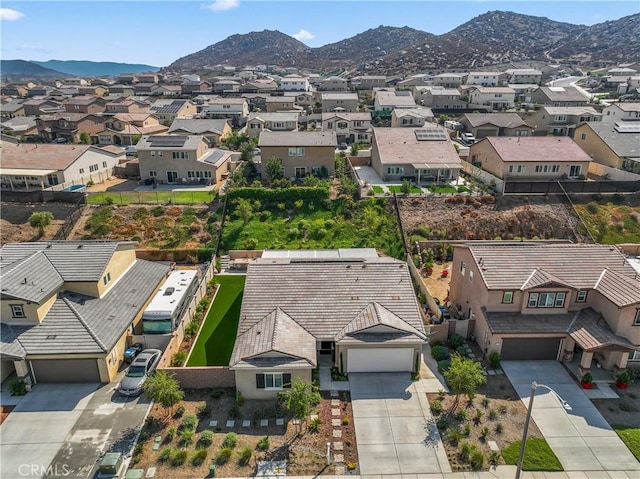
x=151 y=197
x=484 y=176
x=554 y=187
x=70 y=222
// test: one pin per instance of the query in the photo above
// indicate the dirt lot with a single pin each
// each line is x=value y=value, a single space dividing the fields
x=14 y=222
x=305 y=453
x=625 y=410
x=487 y=217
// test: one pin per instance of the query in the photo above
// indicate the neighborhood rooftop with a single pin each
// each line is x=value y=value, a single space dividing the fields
x=536 y=149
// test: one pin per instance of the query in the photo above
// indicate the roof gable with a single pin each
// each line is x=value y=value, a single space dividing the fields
x=372 y=317
x=540 y=278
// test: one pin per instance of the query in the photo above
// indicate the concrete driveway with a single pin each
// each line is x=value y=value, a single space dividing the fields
x=581 y=438
x=395 y=431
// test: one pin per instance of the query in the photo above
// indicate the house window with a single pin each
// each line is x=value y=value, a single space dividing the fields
x=636 y=320
x=533 y=300
x=153 y=173
x=398 y=170
x=470 y=275
x=106 y=278
x=507 y=297
x=634 y=356
x=574 y=171
x=555 y=168
x=81 y=171
x=463 y=268
x=296 y=151
x=17 y=311
x=517 y=168
x=581 y=297
x=153 y=154
x=583 y=136
x=301 y=171
x=546 y=300
x=273 y=380
x=560 y=300
x=104 y=164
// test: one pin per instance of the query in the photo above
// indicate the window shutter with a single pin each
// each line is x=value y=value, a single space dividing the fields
x=260 y=381
x=286 y=381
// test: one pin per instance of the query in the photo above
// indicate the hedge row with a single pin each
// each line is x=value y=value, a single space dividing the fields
x=283 y=195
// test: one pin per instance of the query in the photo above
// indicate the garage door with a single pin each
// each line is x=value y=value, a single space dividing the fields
x=66 y=370
x=380 y=360
x=530 y=348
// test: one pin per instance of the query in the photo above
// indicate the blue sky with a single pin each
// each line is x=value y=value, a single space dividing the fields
x=159 y=32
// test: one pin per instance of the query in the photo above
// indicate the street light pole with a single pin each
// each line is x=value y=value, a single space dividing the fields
x=565 y=405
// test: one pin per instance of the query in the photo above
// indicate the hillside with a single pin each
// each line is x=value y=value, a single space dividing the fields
x=83 y=68
x=17 y=69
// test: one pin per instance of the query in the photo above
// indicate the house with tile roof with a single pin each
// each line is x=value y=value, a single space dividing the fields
x=169 y=110
x=348 y=307
x=616 y=145
x=349 y=127
x=562 y=120
x=213 y=130
x=495 y=124
x=267 y=121
x=411 y=117
x=68 y=307
x=558 y=96
x=535 y=301
x=124 y=128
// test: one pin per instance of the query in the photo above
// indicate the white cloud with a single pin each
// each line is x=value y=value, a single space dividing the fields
x=303 y=35
x=26 y=47
x=10 y=15
x=222 y=5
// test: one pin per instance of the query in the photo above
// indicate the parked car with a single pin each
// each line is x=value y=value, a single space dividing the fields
x=467 y=138
x=141 y=368
x=131 y=353
x=257 y=152
x=343 y=146
x=59 y=140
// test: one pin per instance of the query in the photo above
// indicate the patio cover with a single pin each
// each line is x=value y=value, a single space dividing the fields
x=592 y=333
x=25 y=172
x=429 y=166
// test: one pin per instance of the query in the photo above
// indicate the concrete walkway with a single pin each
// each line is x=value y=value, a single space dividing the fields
x=581 y=438
x=395 y=431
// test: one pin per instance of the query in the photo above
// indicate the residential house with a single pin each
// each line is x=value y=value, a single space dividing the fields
x=148 y=78
x=334 y=84
x=174 y=159
x=41 y=91
x=256 y=101
x=21 y=127
x=236 y=110
x=485 y=79
x=93 y=90
x=279 y=121
x=261 y=85
x=213 y=130
x=411 y=117
x=342 y=102
x=169 y=110
x=194 y=87
x=533 y=301
x=558 y=96
x=359 y=311
x=295 y=83
x=614 y=145
x=85 y=104
x=68 y=308
x=439 y=98
x=37 y=107
x=423 y=155
x=369 y=82
x=226 y=86
x=69 y=126
x=495 y=124
x=562 y=120
x=531 y=158
x=280 y=103
x=126 y=128
x=123 y=90
x=421 y=79
x=127 y=78
x=449 y=81
x=15 y=90
x=302 y=152
x=524 y=76
x=126 y=105
x=494 y=98
x=74 y=81
x=621 y=111
x=28 y=166
x=147 y=89
x=303 y=100
x=12 y=109
x=349 y=127
x=387 y=101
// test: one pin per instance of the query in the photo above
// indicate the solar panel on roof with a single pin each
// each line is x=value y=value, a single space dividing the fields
x=430 y=135
x=628 y=127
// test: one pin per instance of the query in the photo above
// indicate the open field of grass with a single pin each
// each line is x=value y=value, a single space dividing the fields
x=538 y=456
x=630 y=436
x=214 y=344
x=611 y=223
x=151 y=197
x=326 y=224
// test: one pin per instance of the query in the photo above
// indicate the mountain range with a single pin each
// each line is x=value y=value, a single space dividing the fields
x=495 y=37
x=68 y=68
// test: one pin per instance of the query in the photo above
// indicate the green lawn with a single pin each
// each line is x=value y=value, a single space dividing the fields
x=151 y=197
x=218 y=335
x=630 y=436
x=397 y=189
x=444 y=189
x=538 y=456
x=368 y=223
x=378 y=190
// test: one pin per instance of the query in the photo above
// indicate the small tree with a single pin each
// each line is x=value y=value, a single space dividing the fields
x=274 y=169
x=40 y=220
x=406 y=186
x=163 y=389
x=300 y=399
x=85 y=138
x=244 y=210
x=463 y=377
x=135 y=139
x=246 y=151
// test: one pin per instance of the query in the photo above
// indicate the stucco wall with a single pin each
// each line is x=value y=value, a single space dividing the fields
x=34 y=313
x=315 y=156
x=246 y=382
x=596 y=148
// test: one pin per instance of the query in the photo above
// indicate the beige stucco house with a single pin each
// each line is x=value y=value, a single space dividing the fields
x=532 y=301
x=359 y=312
x=277 y=121
x=562 y=120
x=614 y=145
x=213 y=130
x=67 y=307
x=495 y=124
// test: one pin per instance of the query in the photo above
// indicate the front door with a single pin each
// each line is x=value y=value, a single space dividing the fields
x=172 y=176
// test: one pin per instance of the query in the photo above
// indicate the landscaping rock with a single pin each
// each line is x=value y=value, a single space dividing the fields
x=337 y=433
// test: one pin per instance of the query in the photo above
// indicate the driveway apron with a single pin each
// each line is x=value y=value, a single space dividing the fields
x=581 y=438
x=395 y=431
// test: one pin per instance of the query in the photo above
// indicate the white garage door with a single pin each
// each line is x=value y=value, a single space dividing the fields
x=380 y=360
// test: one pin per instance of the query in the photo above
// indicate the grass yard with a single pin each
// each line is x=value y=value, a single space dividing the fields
x=378 y=190
x=630 y=436
x=397 y=189
x=611 y=223
x=444 y=189
x=152 y=197
x=337 y=223
x=214 y=344
x=538 y=456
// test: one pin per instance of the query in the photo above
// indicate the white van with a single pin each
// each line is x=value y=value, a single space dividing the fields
x=467 y=138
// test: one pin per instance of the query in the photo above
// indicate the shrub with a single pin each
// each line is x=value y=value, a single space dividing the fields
x=314 y=424
x=439 y=352
x=217 y=393
x=466 y=430
x=484 y=433
x=345 y=421
x=191 y=329
x=245 y=456
x=461 y=415
x=199 y=457
x=493 y=414
x=444 y=365
x=223 y=455
x=203 y=410
x=178 y=359
x=593 y=207
x=234 y=412
x=189 y=422
x=485 y=402
x=478 y=417
x=263 y=443
x=157 y=211
x=179 y=411
x=436 y=407
x=206 y=439
x=351 y=466
x=499 y=428
x=494 y=360
x=476 y=460
x=442 y=423
x=455 y=340
x=502 y=409
x=18 y=387
x=179 y=458
x=442 y=393
x=465 y=451
x=165 y=454
x=453 y=436
x=494 y=457
x=171 y=433
x=230 y=440
x=239 y=398
x=186 y=437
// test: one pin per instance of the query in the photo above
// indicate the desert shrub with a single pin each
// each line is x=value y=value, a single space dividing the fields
x=165 y=454
x=171 y=433
x=454 y=436
x=189 y=422
x=199 y=457
x=157 y=211
x=345 y=421
x=476 y=460
x=494 y=360
x=461 y=415
x=351 y=466
x=478 y=417
x=217 y=393
x=140 y=213
x=466 y=430
x=186 y=437
x=234 y=411
x=314 y=424
x=442 y=423
x=436 y=407
x=179 y=458
x=494 y=457
x=492 y=414
x=263 y=443
x=239 y=398
x=455 y=340
x=465 y=451
x=485 y=402
x=245 y=456
x=203 y=410
x=223 y=455
x=439 y=352
x=230 y=440
x=206 y=439
x=484 y=433
x=178 y=359
x=499 y=428
x=179 y=411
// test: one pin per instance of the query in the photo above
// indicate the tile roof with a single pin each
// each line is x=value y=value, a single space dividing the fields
x=279 y=333
x=274 y=116
x=592 y=332
x=31 y=278
x=541 y=278
x=628 y=106
x=516 y=323
x=571 y=110
x=298 y=138
x=391 y=98
x=536 y=148
x=11 y=347
x=198 y=127
x=502 y=120
x=167 y=106
x=567 y=93
x=625 y=145
x=400 y=146
x=374 y=314
x=38 y=156
x=339 y=96
x=414 y=112
x=621 y=290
